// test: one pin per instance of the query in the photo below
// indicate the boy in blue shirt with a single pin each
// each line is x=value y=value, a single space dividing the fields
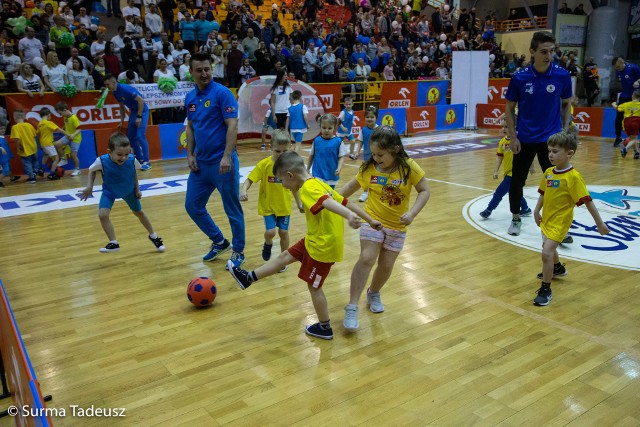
x=297 y=119
x=629 y=76
x=542 y=92
x=119 y=181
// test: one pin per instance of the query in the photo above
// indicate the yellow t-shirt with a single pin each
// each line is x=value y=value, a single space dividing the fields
x=26 y=133
x=71 y=124
x=630 y=109
x=325 y=229
x=45 y=132
x=389 y=193
x=273 y=198
x=561 y=191
x=504 y=151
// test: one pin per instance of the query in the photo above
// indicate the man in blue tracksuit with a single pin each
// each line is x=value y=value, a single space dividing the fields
x=629 y=76
x=212 y=131
x=128 y=96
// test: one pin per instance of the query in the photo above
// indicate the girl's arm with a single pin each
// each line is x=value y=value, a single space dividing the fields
x=536 y=211
x=243 y=191
x=602 y=227
x=349 y=213
x=340 y=164
x=423 y=197
x=349 y=188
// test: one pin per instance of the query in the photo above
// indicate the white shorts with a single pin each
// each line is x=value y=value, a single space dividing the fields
x=50 y=150
x=392 y=240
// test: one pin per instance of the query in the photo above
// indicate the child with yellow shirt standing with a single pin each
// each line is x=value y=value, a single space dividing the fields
x=25 y=136
x=274 y=201
x=323 y=243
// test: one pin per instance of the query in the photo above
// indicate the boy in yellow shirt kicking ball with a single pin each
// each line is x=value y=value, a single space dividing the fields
x=561 y=188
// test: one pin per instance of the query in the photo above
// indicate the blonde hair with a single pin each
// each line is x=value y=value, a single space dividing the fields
x=566 y=139
x=280 y=137
x=50 y=59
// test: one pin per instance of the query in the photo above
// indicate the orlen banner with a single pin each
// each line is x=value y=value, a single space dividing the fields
x=497 y=90
x=432 y=92
x=399 y=95
x=589 y=120
x=358 y=123
x=450 y=117
x=329 y=94
x=83 y=105
x=487 y=115
x=421 y=119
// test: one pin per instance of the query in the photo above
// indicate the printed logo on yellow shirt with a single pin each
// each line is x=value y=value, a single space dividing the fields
x=381 y=180
x=392 y=195
x=273 y=180
x=553 y=183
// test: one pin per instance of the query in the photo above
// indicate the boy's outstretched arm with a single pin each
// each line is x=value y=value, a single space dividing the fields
x=351 y=213
x=602 y=227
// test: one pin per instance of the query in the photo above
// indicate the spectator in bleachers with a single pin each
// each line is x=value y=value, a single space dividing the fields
x=99 y=72
x=250 y=45
x=388 y=72
x=297 y=36
x=268 y=33
x=67 y=15
x=185 y=74
x=148 y=56
x=218 y=64
x=564 y=9
x=159 y=45
x=28 y=82
x=59 y=28
x=41 y=31
x=98 y=45
x=509 y=69
x=113 y=8
x=278 y=55
x=442 y=72
x=133 y=28
x=111 y=61
x=310 y=7
x=238 y=31
x=328 y=65
x=75 y=54
x=179 y=51
x=129 y=55
x=436 y=21
x=153 y=21
x=79 y=76
x=118 y=41
x=579 y=10
x=234 y=62
x=262 y=57
x=213 y=40
x=182 y=11
x=54 y=74
x=310 y=62
x=29 y=47
x=188 y=32
x=167 y=54
x=166 y=10
x=130 y=10
x=358 y=54
x=463 y=20
x=295 y=62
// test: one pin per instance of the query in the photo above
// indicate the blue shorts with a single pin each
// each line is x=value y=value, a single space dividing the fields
x=107 y=202
x=348 y=136
x=75 y=146
x=272 y=221
x=297 y=136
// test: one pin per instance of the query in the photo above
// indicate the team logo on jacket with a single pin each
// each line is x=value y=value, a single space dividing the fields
x=192 y=108
x=207 y=103
x=551 y=88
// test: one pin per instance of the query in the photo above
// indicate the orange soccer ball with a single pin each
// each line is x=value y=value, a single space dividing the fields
x=202 y=291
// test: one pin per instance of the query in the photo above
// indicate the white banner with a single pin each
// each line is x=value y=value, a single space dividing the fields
x=155 y=98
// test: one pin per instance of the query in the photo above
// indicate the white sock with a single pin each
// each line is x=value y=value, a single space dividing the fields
x=153 y=236
x=114 y=242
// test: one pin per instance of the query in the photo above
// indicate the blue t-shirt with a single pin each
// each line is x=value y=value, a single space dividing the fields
x=539 y=101
x=118 y=181
x=628 y=77
x=127 y=94
x=207 y=110
x=326 y=154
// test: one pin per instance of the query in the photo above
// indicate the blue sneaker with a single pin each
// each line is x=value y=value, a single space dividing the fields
x=145 y=166
x=525 y=212
x=237 y=259
x=216 y=250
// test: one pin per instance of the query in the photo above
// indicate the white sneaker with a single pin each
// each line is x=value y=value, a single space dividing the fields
x=364 y=196
x=75 y=172
x=350 y=321
x=375 y=304
x=514 y=228
x=63 y=162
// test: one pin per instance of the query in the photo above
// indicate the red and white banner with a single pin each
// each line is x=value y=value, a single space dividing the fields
x=329 y=94
x=358 y=123
x=399 y=95
x=497 y=90
x=589 y=120
x=421 y=119
x=487 y=115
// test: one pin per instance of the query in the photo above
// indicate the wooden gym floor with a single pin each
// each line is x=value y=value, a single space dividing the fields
x=460 y=342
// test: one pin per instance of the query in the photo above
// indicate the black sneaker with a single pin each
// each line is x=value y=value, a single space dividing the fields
x=15 y=178
x=567 y=240
x=40 y=172
x=636 y=155
x=32 y=180
x=559 y=270
x=316 y=330
x=544 y=296
x=1 y=184
x=617 y=142
x=158 y=243
x=241 y=276
x=53 y=177
x=111 y=247
x=266 y=251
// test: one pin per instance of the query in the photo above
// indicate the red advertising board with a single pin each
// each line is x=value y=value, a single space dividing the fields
x=421 y=119
x=497 y=90
x=83 y=105
x=588 y=120
x=358 y=122
x=399 y=95
x=487 y=115
x=329 y=94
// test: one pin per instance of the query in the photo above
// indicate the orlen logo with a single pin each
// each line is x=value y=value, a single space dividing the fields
x=433 y=96
x=355 y=129
x=450 y=117
x=401 y=103
x=582 y=116
x=496 y=112
x=424 y=123
x=494 y=91
x=312 y=102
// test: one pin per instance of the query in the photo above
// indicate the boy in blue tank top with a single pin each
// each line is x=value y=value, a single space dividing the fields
x=119 y=181
x=345 y=122
x=297 y=115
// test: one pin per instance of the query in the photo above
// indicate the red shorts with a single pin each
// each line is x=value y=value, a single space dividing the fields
x=311 y=271
x=631 y=126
